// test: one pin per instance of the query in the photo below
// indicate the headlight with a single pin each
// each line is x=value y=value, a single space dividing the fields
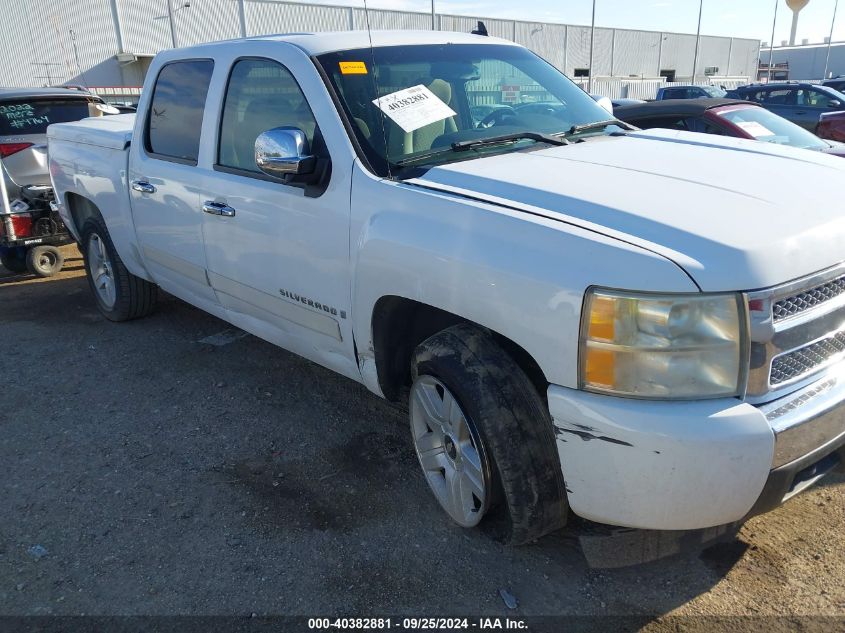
x=663 y=346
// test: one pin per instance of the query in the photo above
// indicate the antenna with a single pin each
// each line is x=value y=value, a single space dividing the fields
x=375 y=84
x=76 y=57
x=480 y=29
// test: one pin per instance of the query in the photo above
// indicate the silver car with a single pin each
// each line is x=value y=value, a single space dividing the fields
x=25 y=114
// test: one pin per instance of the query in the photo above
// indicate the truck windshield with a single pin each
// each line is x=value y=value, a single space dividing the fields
x=414 y=105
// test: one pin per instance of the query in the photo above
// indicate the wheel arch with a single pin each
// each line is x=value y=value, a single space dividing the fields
x=400 y=324
x=121 y=230
x=81 y=209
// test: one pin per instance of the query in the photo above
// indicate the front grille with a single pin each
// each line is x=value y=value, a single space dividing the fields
x=796 y=304
x=806 y=359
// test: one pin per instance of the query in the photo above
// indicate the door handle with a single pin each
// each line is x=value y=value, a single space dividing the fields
x=218 y=208
x=143 y=186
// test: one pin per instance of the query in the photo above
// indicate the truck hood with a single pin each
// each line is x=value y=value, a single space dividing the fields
x=734 y=214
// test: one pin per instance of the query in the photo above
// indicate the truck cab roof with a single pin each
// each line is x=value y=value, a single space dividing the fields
x=334 y=41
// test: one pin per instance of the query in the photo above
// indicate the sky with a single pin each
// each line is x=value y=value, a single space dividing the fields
x=737 y=18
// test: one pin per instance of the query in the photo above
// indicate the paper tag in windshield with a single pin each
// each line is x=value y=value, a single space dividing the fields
x=755 y=129
x=413 y=108
x=353 y=68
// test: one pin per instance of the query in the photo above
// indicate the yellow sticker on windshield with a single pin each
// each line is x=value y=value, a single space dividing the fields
x=353 y=68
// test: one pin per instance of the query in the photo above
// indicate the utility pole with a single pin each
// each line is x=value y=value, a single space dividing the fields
x=592 y=47
x=697 y=40
x=772 y=42
x=172 y=22
x=830 y=40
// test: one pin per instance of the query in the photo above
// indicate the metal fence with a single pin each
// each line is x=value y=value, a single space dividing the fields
x=78 y=42
x=621 y=88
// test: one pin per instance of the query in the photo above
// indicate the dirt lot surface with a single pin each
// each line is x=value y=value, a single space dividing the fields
x=148 y=469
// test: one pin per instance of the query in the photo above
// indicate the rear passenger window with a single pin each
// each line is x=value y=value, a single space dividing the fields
x=175 y=119
x=779 y=97
x=261 y=95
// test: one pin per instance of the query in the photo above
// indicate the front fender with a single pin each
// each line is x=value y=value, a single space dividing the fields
x=518 y=274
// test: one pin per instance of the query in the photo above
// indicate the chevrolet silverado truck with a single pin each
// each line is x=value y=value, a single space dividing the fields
x=585 y=319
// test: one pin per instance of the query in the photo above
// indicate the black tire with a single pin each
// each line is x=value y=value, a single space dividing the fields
x=134 y=297
x=514 y=424
x=44 y=261
x=12 y=261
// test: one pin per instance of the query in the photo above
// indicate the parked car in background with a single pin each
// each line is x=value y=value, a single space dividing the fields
x=837 y=83
x=32 y=230
x=25 y=114
x=832 y=126
x=801 y=103
x=626 y=102
x=604 y=102
x=690 y=92
x=725 y=117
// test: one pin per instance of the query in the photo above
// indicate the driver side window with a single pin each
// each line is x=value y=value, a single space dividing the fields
x=261 y=95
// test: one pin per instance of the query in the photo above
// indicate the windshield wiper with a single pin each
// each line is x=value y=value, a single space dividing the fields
x=576 y=129
x=462 y=146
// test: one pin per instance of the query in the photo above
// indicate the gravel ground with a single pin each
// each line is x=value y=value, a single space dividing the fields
x=146 y=470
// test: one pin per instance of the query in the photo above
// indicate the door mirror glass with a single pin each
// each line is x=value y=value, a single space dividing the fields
x=283 y=151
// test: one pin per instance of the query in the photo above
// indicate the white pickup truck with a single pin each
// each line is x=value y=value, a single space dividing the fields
x=645 y=329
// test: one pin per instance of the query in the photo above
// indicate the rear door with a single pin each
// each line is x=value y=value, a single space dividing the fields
x=164 y=184
x=278 y=253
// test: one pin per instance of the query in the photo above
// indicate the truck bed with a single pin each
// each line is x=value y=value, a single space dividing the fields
x=113 y=132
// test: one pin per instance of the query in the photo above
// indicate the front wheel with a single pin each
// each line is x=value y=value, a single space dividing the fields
x=119 y=294
x=484 y=437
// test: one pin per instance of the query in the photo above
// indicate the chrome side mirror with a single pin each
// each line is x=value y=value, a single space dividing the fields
x=283 y=151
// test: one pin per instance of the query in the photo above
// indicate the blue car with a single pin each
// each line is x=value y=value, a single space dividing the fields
x=690 y=92
x=801 y=103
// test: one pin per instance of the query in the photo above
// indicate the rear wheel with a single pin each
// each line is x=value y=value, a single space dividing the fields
x=13 y=260
x=44 y=261
x=119 y=294
x=484 y=437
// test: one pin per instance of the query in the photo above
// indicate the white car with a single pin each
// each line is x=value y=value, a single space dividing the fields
x=643 y=328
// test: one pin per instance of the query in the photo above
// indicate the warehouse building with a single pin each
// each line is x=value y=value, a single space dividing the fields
x=108 y=44
x=804 y=62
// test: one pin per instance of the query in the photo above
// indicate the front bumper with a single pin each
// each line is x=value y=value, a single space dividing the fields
x=693 y=465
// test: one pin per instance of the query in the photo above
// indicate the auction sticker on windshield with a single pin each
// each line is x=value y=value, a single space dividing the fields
x=755 y=129
x=413 y=108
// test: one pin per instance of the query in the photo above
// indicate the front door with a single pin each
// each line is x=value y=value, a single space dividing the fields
x=277 y=253
x=163 y=181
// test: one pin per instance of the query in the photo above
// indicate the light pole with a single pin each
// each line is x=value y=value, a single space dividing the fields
x=433 y=17
x=172 y=23
x=830 y=40
x=697 y=40
x=592 y=43
x=772 y=42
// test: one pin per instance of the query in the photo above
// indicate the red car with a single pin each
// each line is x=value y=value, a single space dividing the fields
x=832 y=126
x=727 y=117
